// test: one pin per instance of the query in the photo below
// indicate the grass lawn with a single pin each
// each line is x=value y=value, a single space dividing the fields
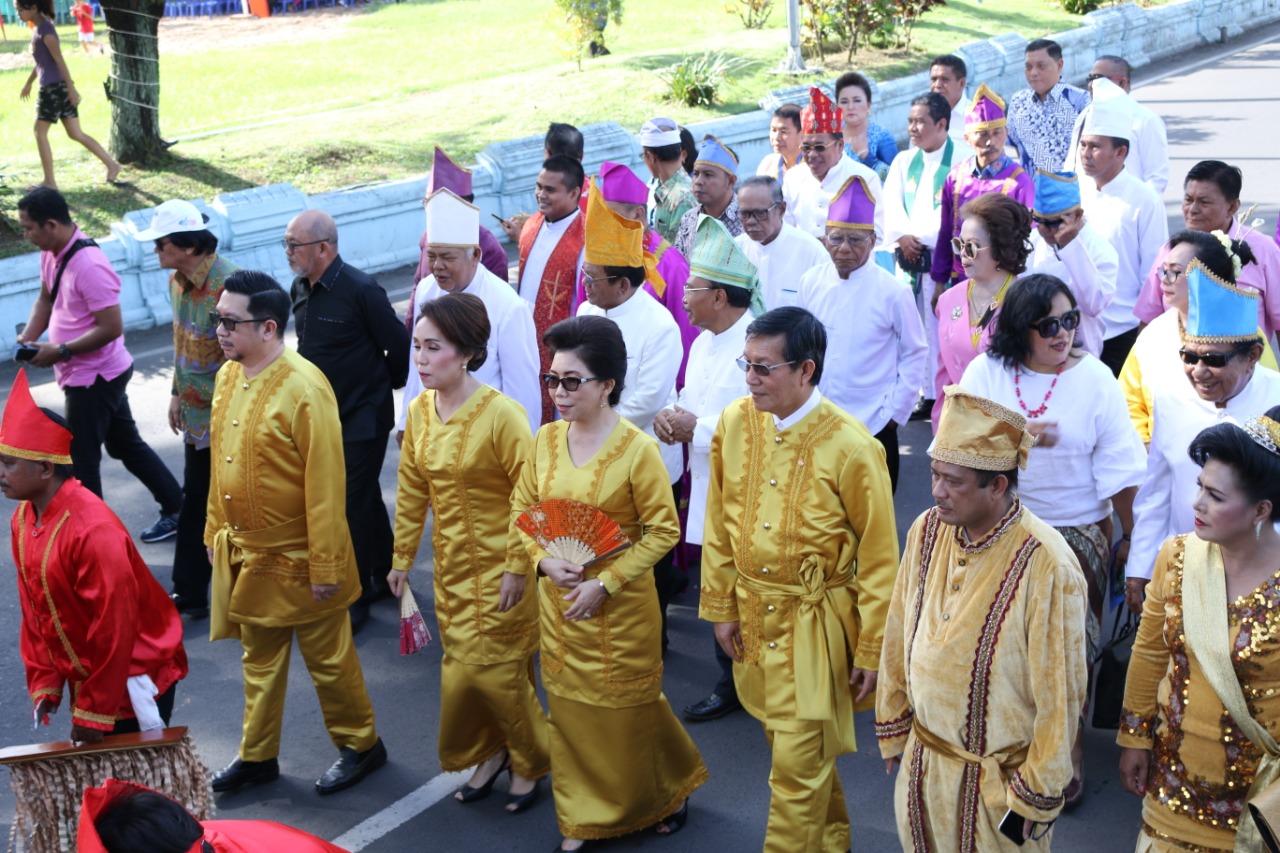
x=337 y=97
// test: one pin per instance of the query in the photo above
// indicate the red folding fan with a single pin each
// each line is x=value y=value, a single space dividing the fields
x=414 y=635
x=573 y=531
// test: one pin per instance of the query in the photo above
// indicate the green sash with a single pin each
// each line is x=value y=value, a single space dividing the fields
x=915 y=171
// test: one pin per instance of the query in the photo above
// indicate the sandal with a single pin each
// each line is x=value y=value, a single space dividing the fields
x=469 y=794
x=1073 y=794
x=673 y=823
x=517 y=803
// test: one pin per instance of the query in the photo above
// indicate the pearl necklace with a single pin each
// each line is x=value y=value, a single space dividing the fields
x=1044 y=406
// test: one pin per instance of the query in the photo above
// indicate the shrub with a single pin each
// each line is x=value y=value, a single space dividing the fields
x=696 y=80
x=582 y=23
x=753 y=13
x=1080 y=7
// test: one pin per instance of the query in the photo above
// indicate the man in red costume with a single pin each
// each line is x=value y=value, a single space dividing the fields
x=121 y=817
x=93 y=616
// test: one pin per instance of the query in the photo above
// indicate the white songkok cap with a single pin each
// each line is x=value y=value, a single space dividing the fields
x=452 y=221
x=1111 y=113
x=657 y=132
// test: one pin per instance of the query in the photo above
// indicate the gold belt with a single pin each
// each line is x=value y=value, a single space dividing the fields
x=992 y=781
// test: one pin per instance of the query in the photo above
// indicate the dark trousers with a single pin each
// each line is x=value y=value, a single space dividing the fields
x=367 y=513
x=191 y=569
x=888 y=437
x=725 y=687
x=1116 y=350
x=164 y=704
x=99 y=415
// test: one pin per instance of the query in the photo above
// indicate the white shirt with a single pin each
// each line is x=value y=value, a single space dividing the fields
x=924 y=218
x=1163 y=506
x=540 y=252
x=1089 y=265
x=712 y=380
x=956 y=128
x=808 y=198
x=782 y=261
x=799 y=414
x=512 y=364
x=1148 y=156
x=1098 y=452
x=876 y=349
x=654 y=353
x=1130 y=216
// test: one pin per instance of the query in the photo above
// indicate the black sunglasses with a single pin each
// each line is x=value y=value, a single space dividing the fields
x=1213 y=360
x=230 y=323
x=570 y=383
x=1050 y=326
x=1051 y=224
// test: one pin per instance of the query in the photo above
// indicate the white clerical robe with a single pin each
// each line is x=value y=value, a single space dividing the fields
x=781 y=262
x=712 y=381
x=876 y=352
x=956 y=128
x=1148 y=156
x=654 y=353
x=539 y=253
x=808 y=198
x=1130 y=216
x=1089 y=265
x=1163 y=506
x=923 y=218
x=512 y=364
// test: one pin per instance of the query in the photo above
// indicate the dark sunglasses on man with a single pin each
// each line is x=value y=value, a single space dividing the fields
x=1050 y=326
x=1212 y=360
x=1051 y=224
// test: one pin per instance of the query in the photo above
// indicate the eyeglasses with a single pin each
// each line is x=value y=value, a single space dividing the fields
x=570 y=383
x=756 y=215
x=1211 y=360
x=967 y=249
x=1093 y=77
x=816 y=147
x=592 y=281
x=1051 y=224
x=1050 y=326
x=230 y=323
x=1170 y=274
x=293 y=247
x=857 y=241
x=760 y=369
x=698 y=289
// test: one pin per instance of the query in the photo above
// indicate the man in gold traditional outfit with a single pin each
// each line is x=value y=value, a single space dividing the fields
x=983 y=672
x=797 y=567
x=278 y=538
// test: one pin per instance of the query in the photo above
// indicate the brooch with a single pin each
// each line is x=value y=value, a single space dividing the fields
x=956 y=312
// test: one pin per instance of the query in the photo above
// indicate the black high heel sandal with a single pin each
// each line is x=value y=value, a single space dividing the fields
x=473 y=795
x=674 y=822
x=524 y=801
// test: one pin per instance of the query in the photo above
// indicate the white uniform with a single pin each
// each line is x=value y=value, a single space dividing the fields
x=1148 y=156
x=780 y=263
x=1131 y=217
x=808 y=198
x=1089 y=265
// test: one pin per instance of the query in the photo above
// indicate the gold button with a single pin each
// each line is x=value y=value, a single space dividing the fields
x=226 y=497
x=773 y=645
x=946 y=617
x=770 y=608
x=773 y=482
x=228 y=458
x=960 y=562
x=245 y=386
x=235 y=423
x=955 y=587
x=765 y=570
x=777 y=439
x=766 y=525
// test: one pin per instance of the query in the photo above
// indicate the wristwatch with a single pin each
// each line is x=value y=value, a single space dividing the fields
x=64 y=352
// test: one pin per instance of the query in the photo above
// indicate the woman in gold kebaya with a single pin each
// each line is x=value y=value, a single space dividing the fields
x=464 y=447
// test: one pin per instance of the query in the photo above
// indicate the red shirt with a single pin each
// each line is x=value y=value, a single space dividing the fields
x=83 y=13
x=92 y=613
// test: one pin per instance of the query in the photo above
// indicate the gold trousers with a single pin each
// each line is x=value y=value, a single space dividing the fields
x=615 y=771
x=486 y=707
x=330 y=657
x=806 y=809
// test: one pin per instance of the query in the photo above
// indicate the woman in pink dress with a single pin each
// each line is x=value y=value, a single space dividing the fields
x=993 y=247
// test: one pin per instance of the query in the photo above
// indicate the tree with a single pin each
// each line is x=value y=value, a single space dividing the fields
x=584 y=22
x=134 y=85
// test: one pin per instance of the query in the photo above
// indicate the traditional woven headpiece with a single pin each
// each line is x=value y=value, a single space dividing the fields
x=986 y=111
x=716 y=257
x=712 y=152
x=452 y=221
x=853 y=206
x=822 y=115
x=620 y=184
x=611 y=240
x=448 y=175
x=28 y=433
x=1057 y=193
x=1217 y=311
x=1264 y=431
x=978 y=433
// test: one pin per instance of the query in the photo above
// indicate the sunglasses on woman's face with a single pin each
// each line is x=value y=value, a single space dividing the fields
x=1212 y=360
x=570 y=383
x=967 y=249
x=1050 y=326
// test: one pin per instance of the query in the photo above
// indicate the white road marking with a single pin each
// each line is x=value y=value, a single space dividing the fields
x=400 y=812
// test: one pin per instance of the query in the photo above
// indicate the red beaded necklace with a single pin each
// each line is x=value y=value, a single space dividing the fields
x=1043 y=407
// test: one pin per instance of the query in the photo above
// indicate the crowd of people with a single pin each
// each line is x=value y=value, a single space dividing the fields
x=720 y=363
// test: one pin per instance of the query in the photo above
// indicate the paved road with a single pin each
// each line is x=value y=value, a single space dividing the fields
x=1216 y=110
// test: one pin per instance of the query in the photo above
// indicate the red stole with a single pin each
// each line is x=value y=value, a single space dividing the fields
x=554 y=300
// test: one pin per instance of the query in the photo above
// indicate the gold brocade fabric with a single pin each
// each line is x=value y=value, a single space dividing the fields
x=276 y=457
x=984 y=654
x=465 y=471
x=487 y=708
x=801 y=549
x=613 y=659
x=1203 y=764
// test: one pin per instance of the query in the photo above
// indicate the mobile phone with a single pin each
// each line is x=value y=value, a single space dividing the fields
x=22 y=352
x=501 y=221
x=1011 y=827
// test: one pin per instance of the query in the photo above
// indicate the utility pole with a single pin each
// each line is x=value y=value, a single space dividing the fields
x=794 y=63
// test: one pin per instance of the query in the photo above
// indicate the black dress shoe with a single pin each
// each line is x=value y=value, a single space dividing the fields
x=239 y=773
x=189 y=608
x=359 y=615
x=713 y=707
x=351 y=767
x=923 y=410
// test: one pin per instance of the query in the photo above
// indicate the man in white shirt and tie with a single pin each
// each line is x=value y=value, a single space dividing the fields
x=780 y=253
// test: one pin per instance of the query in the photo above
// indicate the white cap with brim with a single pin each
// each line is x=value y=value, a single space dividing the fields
x=1110 y=113
x=657 y=132
x=452 y=221
x=173 y=217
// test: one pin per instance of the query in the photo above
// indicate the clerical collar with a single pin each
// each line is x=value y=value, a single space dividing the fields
x=1009 y=519
x=560 y=225
x=799 y=414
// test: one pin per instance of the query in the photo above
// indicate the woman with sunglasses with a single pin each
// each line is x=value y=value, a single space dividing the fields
x=993 y=247
x=620 y=760
x=1087 y=459
x=464 y=447
x=1207 y=641
x=1153 y=363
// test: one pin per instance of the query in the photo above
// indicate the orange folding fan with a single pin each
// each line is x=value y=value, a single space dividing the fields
x=574 y=531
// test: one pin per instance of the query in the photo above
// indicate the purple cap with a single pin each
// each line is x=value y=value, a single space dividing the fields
x=448 y=175
x=853 y=206
x=620 y=184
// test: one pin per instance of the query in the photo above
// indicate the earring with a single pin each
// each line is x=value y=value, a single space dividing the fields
x=1257 y=531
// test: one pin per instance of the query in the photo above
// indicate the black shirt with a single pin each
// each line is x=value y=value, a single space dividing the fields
x=347 y=328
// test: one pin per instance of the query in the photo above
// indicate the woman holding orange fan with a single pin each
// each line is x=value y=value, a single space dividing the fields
x=621 y=762
x=464 y=447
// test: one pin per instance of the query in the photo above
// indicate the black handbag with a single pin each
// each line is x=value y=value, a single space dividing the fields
x=1113 y=668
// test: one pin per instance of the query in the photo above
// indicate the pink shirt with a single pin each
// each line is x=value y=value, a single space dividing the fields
x=89 y=284
x=955 y=343
x=1263 y=276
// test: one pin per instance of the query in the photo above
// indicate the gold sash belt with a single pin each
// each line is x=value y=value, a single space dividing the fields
x=991 y=782
x=228 y=546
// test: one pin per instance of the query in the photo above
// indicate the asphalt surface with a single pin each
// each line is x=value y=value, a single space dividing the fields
x=1217 y=104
